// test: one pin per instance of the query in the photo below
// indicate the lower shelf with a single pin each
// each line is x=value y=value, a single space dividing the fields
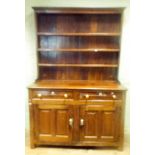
x=77 y=65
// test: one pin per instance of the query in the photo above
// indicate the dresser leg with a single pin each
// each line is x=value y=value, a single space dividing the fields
x=120 y=148
x=31 y=110
x=32 y=145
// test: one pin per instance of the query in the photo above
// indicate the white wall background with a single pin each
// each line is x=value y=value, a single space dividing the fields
x=17 y=69
x=30 y=52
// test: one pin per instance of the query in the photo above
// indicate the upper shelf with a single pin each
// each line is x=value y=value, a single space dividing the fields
x=75 y=10
x=77 y=34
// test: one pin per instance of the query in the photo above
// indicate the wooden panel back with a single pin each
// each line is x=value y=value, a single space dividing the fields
x=77 y=42
x=71 y=73
x=78 y=23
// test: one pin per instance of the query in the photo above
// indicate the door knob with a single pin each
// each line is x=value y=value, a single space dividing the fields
x=71 y=121
x=81 y=122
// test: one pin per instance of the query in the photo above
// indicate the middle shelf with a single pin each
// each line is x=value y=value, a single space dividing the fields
x=77 y=65
x=110 y=34
x=79 y=50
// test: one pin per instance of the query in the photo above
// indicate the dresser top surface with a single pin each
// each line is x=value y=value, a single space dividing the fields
x=77 y=10
x=91 y=85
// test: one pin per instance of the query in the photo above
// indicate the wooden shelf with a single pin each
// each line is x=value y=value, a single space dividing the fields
x=81 y=50
x=78 y=47
x=77 y=84
x=75 y=10
x=77 y=65
x=78 y=34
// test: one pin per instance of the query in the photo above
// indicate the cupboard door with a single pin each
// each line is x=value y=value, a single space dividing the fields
x=98 y=123
x=54 y=123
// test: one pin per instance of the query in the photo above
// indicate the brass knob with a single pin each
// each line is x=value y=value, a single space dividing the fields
x=81 y=122
x=100 y=94
x=65 y=95
x=71 y=121
x=114 y=96
x=95 y=50
x=112 y=93
x=87 y=96
x=52 y=93
x=39 y=94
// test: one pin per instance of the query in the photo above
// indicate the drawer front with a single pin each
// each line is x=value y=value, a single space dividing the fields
x=100 y=95
x=52 y=94
x=100 y=105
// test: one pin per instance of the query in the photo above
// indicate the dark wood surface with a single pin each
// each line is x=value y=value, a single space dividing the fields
x=78 y=32
x=77 y=99
x=78 y=42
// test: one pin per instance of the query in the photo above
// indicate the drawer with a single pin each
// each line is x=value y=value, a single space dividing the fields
x=99 y=106
x=100 y=95
x=52 y=94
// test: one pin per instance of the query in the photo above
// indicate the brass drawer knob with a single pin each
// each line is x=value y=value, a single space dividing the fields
x=87 y=96
x=52 y=93
x=65 y=95
x=39 y=94
x=100 y=94
x=114 y=96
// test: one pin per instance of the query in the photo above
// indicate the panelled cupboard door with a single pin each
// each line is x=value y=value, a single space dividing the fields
x=54 y=123
x=98 y=123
